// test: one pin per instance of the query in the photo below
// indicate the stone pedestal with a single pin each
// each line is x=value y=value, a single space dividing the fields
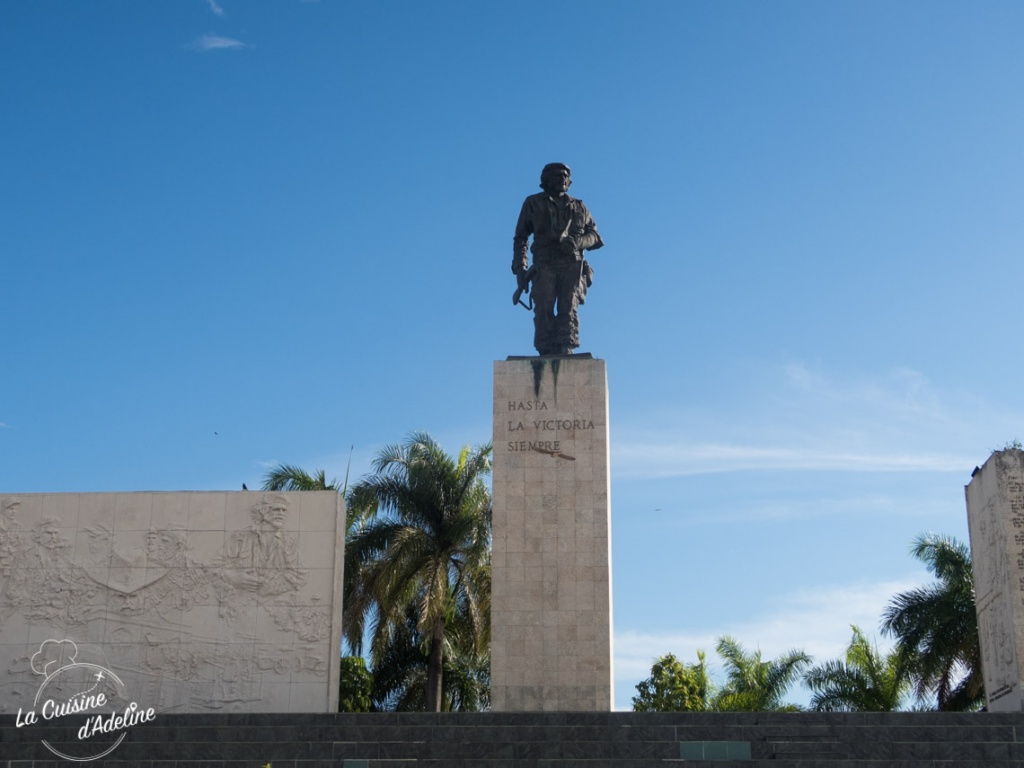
x=995 y=514
x=551 y=612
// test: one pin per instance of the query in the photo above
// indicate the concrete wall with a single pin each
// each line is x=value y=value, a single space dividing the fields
x=195 y=602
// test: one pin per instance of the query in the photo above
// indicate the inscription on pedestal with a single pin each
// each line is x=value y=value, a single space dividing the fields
x=556 y=430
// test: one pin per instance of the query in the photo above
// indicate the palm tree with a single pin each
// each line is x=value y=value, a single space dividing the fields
x=753 y=685
x=400 y=671
x=865 y=681
x=937 y=626
x=288 y=477
x=425 y=544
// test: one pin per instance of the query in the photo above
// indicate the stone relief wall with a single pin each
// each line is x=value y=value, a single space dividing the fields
x=995 y=511
x=200 y=602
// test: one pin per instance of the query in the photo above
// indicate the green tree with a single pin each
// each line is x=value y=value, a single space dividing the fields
x=753 y=685
x=937 y=626
x=674 y=686
x=355 y=685
x=863 y=681
x=425 y=545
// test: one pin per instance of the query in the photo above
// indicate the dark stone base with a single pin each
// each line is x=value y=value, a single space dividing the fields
x=545 y=740
x=576 y=355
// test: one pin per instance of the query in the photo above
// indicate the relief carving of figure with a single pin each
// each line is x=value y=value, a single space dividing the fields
x=10 y=540
x=46 y=579
x=10 y=549
x=263 y=558
x=186 y=582
x=310 y=623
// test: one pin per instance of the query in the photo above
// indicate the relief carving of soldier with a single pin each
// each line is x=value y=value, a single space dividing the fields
x=10 y=536
x=47 y=578
x=562 y=229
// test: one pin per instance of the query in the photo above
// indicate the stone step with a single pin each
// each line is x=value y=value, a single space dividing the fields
x=548 y=740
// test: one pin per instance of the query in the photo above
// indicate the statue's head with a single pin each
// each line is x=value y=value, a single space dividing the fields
x=554 y=179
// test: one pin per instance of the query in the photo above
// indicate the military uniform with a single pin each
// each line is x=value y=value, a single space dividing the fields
x=562 y=229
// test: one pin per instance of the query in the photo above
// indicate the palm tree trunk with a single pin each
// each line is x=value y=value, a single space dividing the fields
x=434 y=666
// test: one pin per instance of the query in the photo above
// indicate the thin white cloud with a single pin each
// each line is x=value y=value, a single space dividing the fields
x=654 y=460
x=5 y=426
x=215 y=7
x=763 y=510
x=217 y=43
x=814 y=621
x=794 y=418
x=901 y=392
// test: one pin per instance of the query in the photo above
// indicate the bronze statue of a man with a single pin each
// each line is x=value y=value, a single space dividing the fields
x=562 y=229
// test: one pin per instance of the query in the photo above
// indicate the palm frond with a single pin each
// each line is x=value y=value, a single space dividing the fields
x=935 y=626
x=288 y=477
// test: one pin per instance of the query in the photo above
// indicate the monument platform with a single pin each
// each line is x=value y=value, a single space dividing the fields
x=549 y=740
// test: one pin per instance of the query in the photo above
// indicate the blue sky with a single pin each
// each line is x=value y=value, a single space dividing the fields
x=241 y=233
